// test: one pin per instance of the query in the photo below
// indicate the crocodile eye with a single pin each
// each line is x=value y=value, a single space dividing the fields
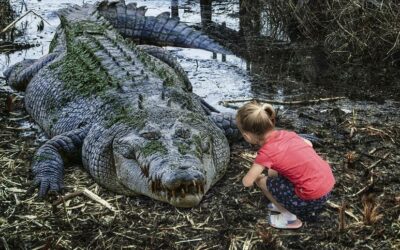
x=151 y=135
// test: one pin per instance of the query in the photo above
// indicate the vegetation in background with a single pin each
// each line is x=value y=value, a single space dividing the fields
x=6 y=16
x=359 y=30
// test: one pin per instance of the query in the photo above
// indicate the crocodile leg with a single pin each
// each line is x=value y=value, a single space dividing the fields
x=227 y=123
x=48 y=162
x=19 y=75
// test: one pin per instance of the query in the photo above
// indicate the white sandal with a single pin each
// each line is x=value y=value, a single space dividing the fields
x=280 y=221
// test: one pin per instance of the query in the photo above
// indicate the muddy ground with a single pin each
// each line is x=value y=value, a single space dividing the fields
x=359 y=139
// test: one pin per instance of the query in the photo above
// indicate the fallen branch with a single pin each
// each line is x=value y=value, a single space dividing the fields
x=88 y=194
x=22 y=16
x=7 y=46
x=378 y=161
x=305 y=102
x=342 y=221
x=333 y=205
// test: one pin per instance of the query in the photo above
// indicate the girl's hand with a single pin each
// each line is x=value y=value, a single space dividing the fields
x=260 y=177
x=252 y=175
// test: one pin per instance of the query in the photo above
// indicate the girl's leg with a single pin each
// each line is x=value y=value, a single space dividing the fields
x=262 y=184
x=284 y=220
x=272 y=173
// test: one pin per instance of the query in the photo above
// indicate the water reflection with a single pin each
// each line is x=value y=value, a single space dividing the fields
x=282 y=66
x=174 y=8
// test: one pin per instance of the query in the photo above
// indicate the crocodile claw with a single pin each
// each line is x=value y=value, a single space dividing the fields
x=47 y=186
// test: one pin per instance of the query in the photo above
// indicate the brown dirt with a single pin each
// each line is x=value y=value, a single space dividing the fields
x=361 y=145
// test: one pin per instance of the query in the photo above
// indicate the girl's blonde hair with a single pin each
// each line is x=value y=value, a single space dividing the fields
x=256 y=118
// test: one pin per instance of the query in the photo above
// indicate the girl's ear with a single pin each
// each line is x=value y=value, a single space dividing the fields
x=245 y=136
x=249 y=138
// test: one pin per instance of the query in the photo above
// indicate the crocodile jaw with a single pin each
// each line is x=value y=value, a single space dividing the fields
x=178 y=188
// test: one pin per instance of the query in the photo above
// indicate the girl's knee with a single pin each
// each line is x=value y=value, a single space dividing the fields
x=262 y=182
x=272 y=173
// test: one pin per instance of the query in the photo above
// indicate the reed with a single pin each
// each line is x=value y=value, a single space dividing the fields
x=6 y=14
x=357 y=30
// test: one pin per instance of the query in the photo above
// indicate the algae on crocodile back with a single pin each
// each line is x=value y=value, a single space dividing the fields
x=81 y=70
x=156 y=66
x=127 y=116
x=183 y=148
x=53 y=43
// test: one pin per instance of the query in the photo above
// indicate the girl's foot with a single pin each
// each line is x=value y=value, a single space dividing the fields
x=271 y=207
x=284 y=221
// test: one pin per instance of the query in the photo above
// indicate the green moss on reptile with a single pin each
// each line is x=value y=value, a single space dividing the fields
x=81 y=70
x=183 y=99
x=198 y=150
x=53 y=43
x=192 y=118
x=153 y=147
x=87 y=27
x=39 y=158
x=183 y=148
x=82 y=74
x=127 y=116
x=159 y=69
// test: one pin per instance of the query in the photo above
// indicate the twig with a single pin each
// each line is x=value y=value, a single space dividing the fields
x=342 y=221
x=67 y=197
x=191 y=240
x=333 y=205
x=88 y=194
x=370 y=183
x=98 y=199
x=22 y=16
x=65 y=209
x=313 y=101
x=378 y=161
x=5 y=243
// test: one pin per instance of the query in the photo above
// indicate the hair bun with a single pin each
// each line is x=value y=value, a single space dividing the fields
x=269 y=110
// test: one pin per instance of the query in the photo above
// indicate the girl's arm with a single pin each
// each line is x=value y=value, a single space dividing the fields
x=252 y=175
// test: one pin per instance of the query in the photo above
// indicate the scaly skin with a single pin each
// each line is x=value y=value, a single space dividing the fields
x=127 y=114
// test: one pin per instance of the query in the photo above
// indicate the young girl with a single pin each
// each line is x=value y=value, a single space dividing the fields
x=299 y=181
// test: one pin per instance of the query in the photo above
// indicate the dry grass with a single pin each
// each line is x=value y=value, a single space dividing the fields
x=6 y=15
x=350 y=30
x=371 y=213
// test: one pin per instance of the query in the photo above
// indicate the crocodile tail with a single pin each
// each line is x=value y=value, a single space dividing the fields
x=130 y=21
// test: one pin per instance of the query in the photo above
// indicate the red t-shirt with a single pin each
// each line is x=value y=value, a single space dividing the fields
x=289 y=155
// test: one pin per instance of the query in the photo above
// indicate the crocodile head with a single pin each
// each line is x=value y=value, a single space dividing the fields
x=175 y=162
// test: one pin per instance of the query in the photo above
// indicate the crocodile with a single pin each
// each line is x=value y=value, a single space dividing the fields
x=125 y=111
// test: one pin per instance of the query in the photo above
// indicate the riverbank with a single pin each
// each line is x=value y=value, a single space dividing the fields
x=360 y=141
